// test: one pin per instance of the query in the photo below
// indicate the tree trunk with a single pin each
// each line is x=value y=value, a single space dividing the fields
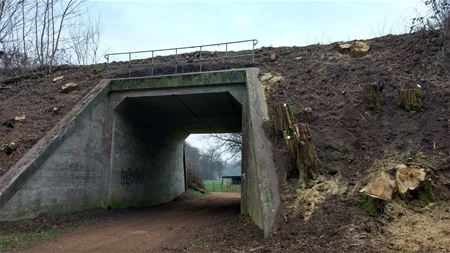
x=298 y=141
x=306 y=160
x=283 y=119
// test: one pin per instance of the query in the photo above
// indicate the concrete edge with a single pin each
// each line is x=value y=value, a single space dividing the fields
x=267 y=177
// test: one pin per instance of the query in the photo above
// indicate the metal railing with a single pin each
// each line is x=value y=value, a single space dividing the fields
x=175 y=53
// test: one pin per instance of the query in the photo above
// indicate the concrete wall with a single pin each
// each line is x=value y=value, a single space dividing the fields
x=147 y=167
x=68 y=175
x=261 y=187
x=122 y=146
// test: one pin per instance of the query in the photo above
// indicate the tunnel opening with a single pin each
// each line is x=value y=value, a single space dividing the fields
x=148 y=165
x=213 y=162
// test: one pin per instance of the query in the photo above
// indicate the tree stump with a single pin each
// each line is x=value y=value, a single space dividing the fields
x=306 y=159
x=283 y=118
x=409 y=98
x=372 y=96
x=307 y=114
x=298 y=141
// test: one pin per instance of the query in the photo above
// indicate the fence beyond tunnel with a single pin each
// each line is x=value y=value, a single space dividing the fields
x=122 y=146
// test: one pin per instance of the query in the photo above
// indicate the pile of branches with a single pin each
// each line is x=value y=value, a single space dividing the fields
x=194 y=181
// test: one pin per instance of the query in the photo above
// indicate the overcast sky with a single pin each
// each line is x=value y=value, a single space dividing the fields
x=143 y=25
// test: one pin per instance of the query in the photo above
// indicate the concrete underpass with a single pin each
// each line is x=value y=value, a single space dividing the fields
x=122 y=146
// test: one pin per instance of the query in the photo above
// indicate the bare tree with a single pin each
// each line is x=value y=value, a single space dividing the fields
x=85 y=38
x=436 y=18
x=39 y=33
x=228 y=145
x=8 y=13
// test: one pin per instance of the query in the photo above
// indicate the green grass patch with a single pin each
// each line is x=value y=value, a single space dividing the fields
x=372 y=207
x=217 y=186
x=423 y=196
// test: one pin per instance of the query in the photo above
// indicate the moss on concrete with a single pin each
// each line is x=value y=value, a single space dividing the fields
x=184 y=80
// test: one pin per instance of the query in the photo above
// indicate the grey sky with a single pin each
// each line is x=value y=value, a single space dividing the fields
x=142 y=25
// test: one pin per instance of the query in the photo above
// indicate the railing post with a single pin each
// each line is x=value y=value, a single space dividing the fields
x=253 y=51
x=176 y=60
x=129 y=64
x=108 y=67
x=200 y=59
x=226 y=55
x=153 y=68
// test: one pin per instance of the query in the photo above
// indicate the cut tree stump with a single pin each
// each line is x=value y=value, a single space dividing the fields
x=283 y=118
x=306 y=160
x=307 y=114
x=298 y=141
x=372 y=96
x=410 y=98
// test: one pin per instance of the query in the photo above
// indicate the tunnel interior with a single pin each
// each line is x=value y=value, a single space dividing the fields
x=147 y=166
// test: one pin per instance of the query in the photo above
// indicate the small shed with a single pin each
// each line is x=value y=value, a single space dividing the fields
x=231 y=180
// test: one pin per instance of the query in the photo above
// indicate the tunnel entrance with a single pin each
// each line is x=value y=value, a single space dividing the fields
x=148 y=141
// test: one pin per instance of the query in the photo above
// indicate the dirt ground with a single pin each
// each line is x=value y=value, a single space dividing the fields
x=351 y=141
x=35 y=96
x=423 y=230
x=163 y=228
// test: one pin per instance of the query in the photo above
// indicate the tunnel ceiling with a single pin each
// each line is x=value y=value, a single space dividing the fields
x=192 y=113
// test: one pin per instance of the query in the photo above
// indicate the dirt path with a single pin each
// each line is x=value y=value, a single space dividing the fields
x=151 y=230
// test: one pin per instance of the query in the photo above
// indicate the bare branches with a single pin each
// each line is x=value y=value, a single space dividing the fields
x=436 y=18
x=228 y=146
x=86 y=39
x=39 y=33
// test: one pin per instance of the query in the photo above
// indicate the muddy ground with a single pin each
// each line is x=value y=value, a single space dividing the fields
x=350 y=140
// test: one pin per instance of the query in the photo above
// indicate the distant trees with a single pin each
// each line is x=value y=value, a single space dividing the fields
x=209 y=164
x=44 y=33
